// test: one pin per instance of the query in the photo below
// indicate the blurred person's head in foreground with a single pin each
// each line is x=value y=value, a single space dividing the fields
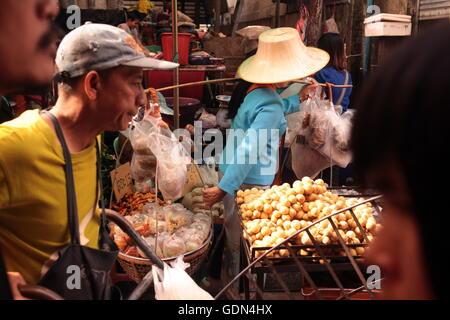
x=400 y=136
x=101 y=71
x=27 y=46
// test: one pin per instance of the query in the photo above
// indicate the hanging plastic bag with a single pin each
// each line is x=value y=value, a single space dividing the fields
x=208 y=120
x=325 y=136
x=307 y=162
x=172 y=161
x=151 y=138
x=175 y=284
x=143 y=162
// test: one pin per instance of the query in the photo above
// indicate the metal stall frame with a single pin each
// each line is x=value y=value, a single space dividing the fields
x=305 y=265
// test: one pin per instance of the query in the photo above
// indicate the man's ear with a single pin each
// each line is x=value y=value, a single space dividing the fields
x=92 y=85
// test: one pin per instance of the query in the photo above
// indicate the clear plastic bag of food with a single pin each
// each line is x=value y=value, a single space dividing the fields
x=209 y=175
x=139 y=223
x=177 y=215
x=193 y=240
x=172 y=160
x=154 y=210
x=342 y=132
x=336 y=145
x=143 y=171
x=202 y=218
x=121 y=239
x=156 y=247
x=173 y=246
x=325 y=131
x=143 y=163
x=156 y=218
x=201 y=228
x=208 y=120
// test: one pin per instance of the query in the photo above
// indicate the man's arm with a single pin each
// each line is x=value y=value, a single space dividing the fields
x=16 y=280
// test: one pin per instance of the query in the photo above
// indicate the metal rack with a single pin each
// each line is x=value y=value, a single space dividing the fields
x=306 y=268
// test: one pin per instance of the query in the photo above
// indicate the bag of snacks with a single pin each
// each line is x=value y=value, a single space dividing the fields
x=172 y=163
x=192 y=239
x=139 y=223
x=143 y=163
x=177 y=216
x=155 y=246
x=322 y=129
x=201 y=229
x=202 y=218
x=173 y=246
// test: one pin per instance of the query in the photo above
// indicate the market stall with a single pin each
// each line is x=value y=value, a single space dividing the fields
x=305 y=237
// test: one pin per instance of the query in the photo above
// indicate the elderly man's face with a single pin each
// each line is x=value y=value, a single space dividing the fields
x=26 y=49
x=120 y=97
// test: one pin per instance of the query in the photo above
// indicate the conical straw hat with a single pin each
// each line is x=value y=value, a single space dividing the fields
x=282 y=56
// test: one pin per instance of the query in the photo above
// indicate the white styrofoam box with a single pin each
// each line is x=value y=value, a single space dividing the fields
x=388 y=17
x=388 y=29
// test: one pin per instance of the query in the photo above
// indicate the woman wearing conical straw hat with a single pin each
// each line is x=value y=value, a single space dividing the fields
x=258 y=122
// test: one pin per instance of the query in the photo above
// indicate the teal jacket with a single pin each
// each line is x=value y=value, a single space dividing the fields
x=251 y=153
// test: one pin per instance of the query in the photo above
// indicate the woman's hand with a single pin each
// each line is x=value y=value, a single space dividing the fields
x=213 y=195
x=308 y=90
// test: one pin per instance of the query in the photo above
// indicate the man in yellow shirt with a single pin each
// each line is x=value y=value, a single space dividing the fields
x=101 y=72
x=27 y=55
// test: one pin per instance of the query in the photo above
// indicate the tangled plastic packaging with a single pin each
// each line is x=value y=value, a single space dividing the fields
x=319 y=136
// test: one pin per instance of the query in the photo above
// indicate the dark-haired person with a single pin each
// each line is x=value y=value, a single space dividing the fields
x=26 y=60
x=335 y=72
x=400 y=139
x=250 y=158
x=131 y=27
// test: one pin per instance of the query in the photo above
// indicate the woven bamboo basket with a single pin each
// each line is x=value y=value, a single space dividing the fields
x=136 y=268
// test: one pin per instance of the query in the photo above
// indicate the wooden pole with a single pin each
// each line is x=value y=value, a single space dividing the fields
x=217 y=9
x=176 y=72
x=277 y=14
x=237 y=15
x=235 y=79
x=198 y=83
x=315 y=9
x=197 y=13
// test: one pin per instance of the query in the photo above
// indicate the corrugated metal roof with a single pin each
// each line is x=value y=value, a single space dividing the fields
x=434 y=9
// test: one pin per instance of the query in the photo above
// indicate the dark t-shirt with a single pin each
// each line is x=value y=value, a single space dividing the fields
x=334 y=76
